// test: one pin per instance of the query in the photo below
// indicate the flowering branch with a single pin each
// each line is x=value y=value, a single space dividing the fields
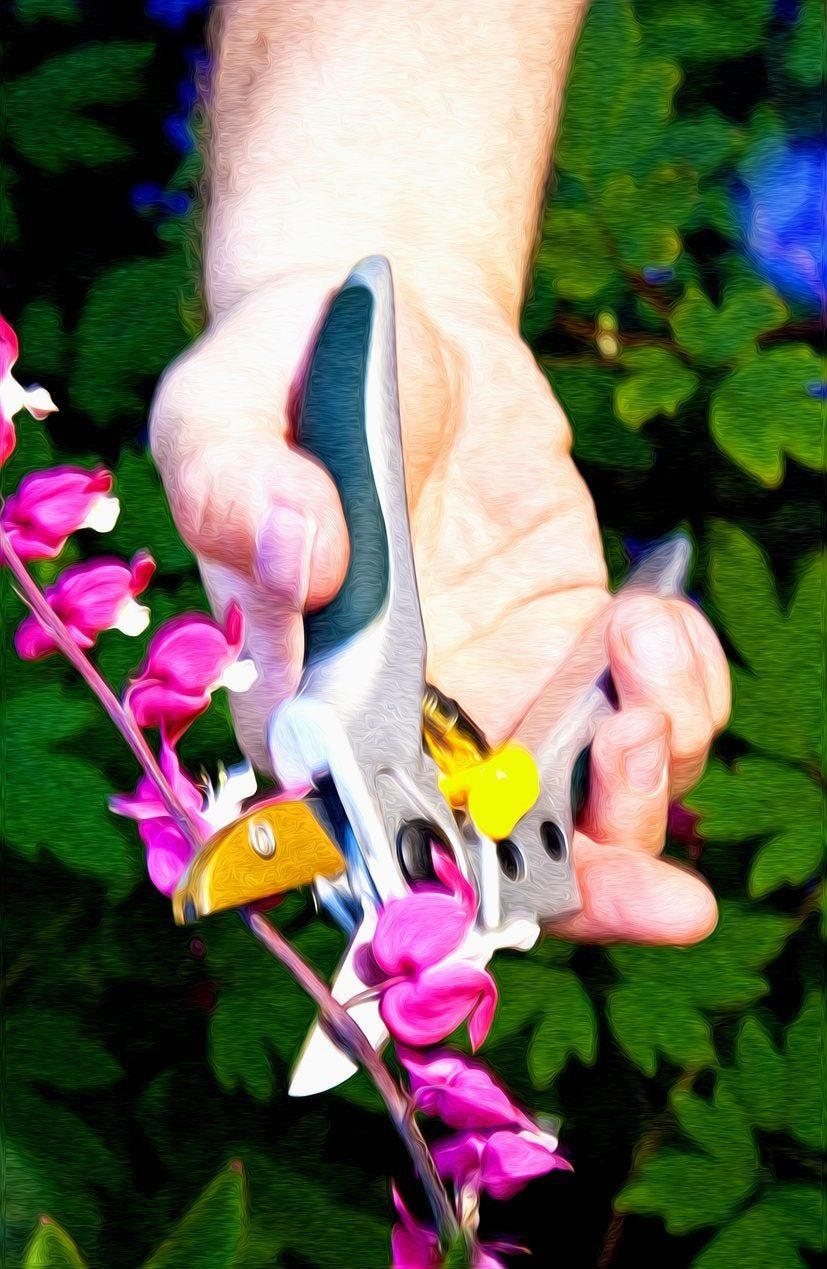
x=333 y=1017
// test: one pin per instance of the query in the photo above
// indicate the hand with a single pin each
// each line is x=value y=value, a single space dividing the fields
x=508 y=557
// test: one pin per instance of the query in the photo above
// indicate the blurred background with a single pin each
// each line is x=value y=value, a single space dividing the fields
x=678 y=308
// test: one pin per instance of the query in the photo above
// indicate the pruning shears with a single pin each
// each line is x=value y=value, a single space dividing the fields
x=377 y=764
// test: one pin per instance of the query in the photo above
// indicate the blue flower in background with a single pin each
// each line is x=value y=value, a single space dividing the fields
x=151 y=199
x=174 y=13
x=784 y=217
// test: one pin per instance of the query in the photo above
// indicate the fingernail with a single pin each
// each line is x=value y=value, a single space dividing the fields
x=646 y=766
x=284 y=550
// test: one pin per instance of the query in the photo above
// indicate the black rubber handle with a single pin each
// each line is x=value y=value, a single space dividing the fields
x=331 y=426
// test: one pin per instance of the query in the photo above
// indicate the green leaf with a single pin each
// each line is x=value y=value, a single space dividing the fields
x=716 y=336
x=759 y=797
x=805 y=52
x=618 y=99
x=145 y=522
x=29 y=11
x=568 y=1028
x=805 y=1047
x=211 y=1234
x=575 y=260
x=705 y=29
x=661 y=1003
x=786 y=1218
x=51 y=1247
x=645 y=215
x=129 y=330
x=758 y=1077
x=326 y=1215
x=779 y=693
x=43 y=341
x=53 y=1160
x=44 y=109
x=675 y=1183
x=51 y=1048
x=56 y=795
x=9 y=224
x=763 y=410
x=585 y=392
x=260 y=1010
x=657 y=383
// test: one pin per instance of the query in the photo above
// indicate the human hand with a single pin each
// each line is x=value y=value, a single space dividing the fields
x=508 y=557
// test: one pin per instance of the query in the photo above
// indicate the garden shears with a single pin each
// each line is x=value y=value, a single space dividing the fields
x=377 y=765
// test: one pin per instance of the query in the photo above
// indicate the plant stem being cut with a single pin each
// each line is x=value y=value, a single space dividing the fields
x=334 y=1018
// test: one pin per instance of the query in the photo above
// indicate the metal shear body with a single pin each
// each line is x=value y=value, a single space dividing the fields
x=370 y=746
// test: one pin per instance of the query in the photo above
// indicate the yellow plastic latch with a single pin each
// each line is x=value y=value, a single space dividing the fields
x=496 y=792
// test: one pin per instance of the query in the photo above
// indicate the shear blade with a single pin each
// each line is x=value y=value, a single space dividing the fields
x=322 y=1065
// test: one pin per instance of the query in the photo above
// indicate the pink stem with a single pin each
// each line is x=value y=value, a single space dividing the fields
x=334 y=1017
x=345 y=1032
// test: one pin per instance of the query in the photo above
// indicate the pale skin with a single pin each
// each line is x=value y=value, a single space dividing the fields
x=423 y=130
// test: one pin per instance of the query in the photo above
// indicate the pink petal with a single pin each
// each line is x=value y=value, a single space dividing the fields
x=155 y=704
x=446 y=869
x=426 y=1009
x=168 y=853
x=414 y=1245
x=31 y=641
x=90 y=596
x=146 y=802
x=483 y=1013
x=419 y=930
x=462 y=1093
x=50 y=505
x=459 y=1158
x=8 y=438
x=483 y=1259
x=9 y=349
x=511 y=1159
x=191 y=650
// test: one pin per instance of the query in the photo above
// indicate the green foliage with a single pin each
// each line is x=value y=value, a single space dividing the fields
x=140 y=1058
x=45 y=108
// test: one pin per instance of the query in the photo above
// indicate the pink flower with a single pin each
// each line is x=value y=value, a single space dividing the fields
x=187 y=660
x=414 y=1245
x=50 y=505
x=500 y=1162
x=90 y=598
x=418 y=946
x=462 y=1093
x=168 y=850
x=13 y=397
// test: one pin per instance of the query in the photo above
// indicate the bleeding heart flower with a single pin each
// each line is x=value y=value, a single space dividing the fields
x=419 y=945
x=501 y=1162
x=168 y=850
x=188 y=659
x=13 y=397
x=462 y=1093
x=414 y=1245
x=90 y=598
x=50 y=505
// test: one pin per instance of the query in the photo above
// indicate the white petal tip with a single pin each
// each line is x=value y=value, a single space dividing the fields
x=38 y=402
x=104 y=514
x=133 y=618
x=239 y=677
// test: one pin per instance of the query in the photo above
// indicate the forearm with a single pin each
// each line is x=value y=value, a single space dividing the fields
x=421 y=129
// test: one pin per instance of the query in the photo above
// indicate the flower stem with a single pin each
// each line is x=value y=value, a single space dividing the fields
x=332 y=1015
x=344 y=1031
